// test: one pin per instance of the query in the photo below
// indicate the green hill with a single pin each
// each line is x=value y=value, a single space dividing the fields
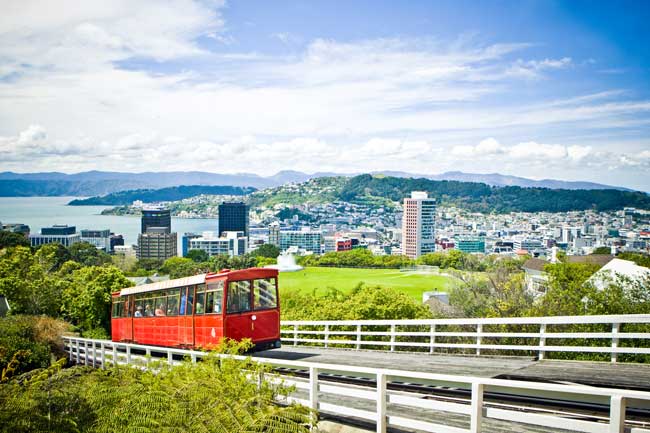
x=164 y=194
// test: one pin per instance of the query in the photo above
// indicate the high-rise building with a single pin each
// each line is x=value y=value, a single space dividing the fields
x=157 y=241
x=233 y=217
x=63 y=234
x=156 y=217
x=418 y=225
x=101 y=239
x=156 y=244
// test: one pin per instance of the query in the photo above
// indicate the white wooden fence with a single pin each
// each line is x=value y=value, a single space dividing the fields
x=408 y=410
x=475 y=335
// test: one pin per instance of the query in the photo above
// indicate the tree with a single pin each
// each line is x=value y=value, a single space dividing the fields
x=52 y=256
x=601 y=250
x=87 y=298
x=266 y=250
x=178 y=267
x=567 y=290
x=87 y=254
x=30 y=281
x=10 y=239
x=197 y=256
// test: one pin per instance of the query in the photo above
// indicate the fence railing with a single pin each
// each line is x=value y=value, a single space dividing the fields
x=612 y=334
x=384 y=407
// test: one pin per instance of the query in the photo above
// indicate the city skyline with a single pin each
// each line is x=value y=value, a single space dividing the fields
x=533 y=89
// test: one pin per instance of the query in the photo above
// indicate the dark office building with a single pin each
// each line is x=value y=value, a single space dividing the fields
x=116 y=240
x=233 y=217
x=58 y=230
x=156 y=218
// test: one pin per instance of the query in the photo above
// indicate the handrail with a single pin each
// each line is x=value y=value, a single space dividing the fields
x=430 y=337
x=328 y=397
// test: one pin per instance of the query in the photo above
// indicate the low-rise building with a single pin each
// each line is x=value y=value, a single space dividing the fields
x=230 y=243
x=101 y=239
x=62 y=234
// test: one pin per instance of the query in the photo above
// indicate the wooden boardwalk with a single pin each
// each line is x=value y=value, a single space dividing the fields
x=600 y=374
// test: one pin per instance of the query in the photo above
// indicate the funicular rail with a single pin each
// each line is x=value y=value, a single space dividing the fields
x=382 y=402
x=616 y=335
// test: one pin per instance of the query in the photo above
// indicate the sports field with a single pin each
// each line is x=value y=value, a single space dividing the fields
x=345 y=279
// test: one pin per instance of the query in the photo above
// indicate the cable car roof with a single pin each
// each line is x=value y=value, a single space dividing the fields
x=162 y=285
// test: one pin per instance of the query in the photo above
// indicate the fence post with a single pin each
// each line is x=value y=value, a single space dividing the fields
x=479 y=338
x=70 y=344
x=78 y=360
x=128 y=354
x=115 y=357
x=381 y=403
x=615 y=329
x=327 y=335
x=617 y=414
x=313 y=388
x=392 y=337
x=147 y=357
x=476 y=410
x=358 y=337
x=433 y=339
x=103 y=354
x=85 y=352
x=295 y=335
x=94 y=353
x=542 y=341
x=170 y=357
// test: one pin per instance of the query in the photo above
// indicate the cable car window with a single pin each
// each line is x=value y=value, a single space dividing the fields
x=187 y=301
x=265 y=293
x=239 y=296
x=118 y=307
x=128 y=301
x=214 y=298
x=149 y=306
x=159 y=303
x=139 y=305
x=200 y=299
x=172 y=301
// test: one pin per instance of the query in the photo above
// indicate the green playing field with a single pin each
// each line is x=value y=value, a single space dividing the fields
x=344 y=279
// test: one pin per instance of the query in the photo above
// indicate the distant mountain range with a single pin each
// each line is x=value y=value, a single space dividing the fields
x=93 y=183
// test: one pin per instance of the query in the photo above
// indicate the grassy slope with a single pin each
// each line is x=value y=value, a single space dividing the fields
x=345 y=279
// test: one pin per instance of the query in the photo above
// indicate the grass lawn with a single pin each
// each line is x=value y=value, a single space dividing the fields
x=345 y=279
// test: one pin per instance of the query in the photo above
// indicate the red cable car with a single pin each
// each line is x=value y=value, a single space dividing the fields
x=199 y=311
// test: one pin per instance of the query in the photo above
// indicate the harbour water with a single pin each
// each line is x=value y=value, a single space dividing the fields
x=38 y=212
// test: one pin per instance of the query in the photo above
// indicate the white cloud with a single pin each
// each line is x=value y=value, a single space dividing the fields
x=394 y=103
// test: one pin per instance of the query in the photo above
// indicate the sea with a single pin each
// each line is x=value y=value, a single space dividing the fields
x=38 y=212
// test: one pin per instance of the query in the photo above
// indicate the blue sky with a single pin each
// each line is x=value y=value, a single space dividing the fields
x=539 y=89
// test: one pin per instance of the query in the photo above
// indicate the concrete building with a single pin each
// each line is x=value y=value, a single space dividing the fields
x=156 y=244
x=230 y=243
x=418 y=225
x=101 y=239
x=62 y=234
x=16 y=228
x=156 y=241
x=274 y=234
